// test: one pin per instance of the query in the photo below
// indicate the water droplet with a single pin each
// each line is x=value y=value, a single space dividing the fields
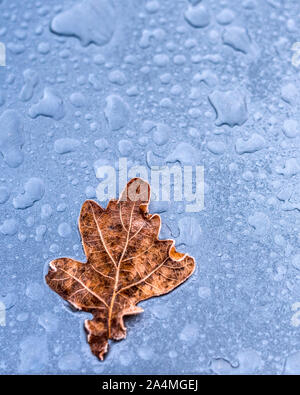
x=225 y=17
x=4 y=194
x=64 y=229
x=66 y=145
x=237 y=38
x=51 y=105
x=255 y=143
x=197 y=16
x=11 y=138
x=92 y=21
x=34 y=190
x=230 y=107
x=116 y=112
x=9 y=227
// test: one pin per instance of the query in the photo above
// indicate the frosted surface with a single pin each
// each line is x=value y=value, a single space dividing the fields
x=198 y=82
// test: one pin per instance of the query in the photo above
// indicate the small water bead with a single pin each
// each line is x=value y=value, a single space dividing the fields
x=116 y=112
x=22 y=317
x=255 y=143
x=77 y=99
x=40 y=232
x=2 y=98
x=69 y=362
x=289 y=93
x=11 y=138
x=216 y=147
x=102 y=144
x=117 y=77
x=260 y=222
x=152 y=6
x=54 y=248
x=179 y=60
x=64 y=229
x=31 y=80
x=190 y=231
x=230 y=107
x=161 y=134
x=65 y=54
x=296 y=261
x=30 y=221
x=51 y=105
x=9 y=227
x=204 y=292
x=222 y=366
x=197 y=16
x=61 y=207
x=125 y=147
x=184 y=153
x=176 y=90
x=248 y=176
x=22 y=237
x=43 y=48
x=34 y=291
x=237 y=38
x=292 y=365
x=161 y=60
x=146 y=353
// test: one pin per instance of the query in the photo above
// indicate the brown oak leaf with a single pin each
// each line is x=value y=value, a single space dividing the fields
x=126 y=263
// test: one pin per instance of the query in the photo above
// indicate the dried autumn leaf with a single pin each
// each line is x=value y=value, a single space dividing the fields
x=126 y=263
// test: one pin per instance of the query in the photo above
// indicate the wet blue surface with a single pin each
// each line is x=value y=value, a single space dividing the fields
x=202 y=82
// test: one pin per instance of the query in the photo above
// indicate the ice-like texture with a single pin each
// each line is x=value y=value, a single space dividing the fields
x=293 y=364
x=225 y=16
x=291 y=128
x=160 y=83
x=33 y=354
